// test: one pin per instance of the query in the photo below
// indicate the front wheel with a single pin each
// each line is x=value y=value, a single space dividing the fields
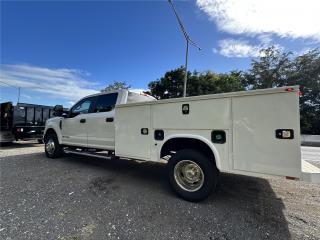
x=52 y=147
x=192 y=175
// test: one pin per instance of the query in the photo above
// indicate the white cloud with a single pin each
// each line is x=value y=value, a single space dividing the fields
x=285 y=18
x=62 y=83
x=70 y=103
x=242 y=48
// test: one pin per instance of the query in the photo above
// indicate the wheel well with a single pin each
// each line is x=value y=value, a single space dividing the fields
x=176 y=144
x=50 y=131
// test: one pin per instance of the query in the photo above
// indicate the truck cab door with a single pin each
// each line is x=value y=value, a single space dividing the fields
x=100 y=126
x=74 y=127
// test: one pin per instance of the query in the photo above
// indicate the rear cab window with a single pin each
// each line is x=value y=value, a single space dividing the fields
x=105 y=103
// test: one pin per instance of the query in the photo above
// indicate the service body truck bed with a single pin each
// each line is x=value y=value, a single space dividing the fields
x=250 y=132
x=249 y=119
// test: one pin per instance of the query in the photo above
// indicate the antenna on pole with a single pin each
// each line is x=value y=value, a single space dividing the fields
x=188 y=41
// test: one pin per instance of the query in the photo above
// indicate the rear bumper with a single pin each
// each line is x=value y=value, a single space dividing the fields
x=28 y=132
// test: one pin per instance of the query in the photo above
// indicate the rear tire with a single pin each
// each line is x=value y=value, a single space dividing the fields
x=192 y=175
x=52 y=147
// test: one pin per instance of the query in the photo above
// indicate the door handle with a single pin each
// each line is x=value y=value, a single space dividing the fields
x=82 y=120
x=109 y=119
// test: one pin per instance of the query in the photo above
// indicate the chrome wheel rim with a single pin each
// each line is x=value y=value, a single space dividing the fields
x=50 y=147
x=188 y=175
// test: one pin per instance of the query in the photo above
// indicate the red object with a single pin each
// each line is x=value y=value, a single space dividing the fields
x=290 y=89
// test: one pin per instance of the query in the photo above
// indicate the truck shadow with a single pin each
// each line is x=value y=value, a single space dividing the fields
x=242 y=207
x=19 y=145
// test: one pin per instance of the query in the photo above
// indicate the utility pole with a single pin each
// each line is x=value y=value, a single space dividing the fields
x=188 y=41
x=18 y=95
x=14 y=87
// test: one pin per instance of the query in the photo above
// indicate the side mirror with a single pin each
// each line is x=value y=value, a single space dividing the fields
x=58 y=110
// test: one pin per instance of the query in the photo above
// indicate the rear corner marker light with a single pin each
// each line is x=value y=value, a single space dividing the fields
x=285 y=133
x=300 y=94
x=289 y=89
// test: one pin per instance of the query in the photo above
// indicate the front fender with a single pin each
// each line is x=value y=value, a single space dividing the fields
x=54 y=124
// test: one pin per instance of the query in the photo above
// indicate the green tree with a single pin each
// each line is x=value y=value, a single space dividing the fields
x=171 y=84
x=276 y=68
x=168 y=86
x=115 y=86
x=306 y=73
x=270 y=70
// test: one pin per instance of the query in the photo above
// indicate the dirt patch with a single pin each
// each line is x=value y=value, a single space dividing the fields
x=102 y=184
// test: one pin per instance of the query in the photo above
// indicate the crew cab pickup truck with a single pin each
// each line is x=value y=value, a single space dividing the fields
x=250 y=132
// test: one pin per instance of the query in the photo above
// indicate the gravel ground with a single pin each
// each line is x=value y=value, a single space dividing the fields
x=77 y=197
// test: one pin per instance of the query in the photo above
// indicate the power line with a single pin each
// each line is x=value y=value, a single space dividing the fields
x=9 y=84
x=189 y=41
x=19 y=89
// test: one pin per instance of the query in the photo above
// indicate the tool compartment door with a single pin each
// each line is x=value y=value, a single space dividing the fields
x=130 y=140
x=256 y=148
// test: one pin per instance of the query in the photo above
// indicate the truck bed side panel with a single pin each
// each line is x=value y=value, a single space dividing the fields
x=255 y=146
x=203 y=114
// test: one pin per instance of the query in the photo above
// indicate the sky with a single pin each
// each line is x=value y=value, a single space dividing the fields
x=60 y=51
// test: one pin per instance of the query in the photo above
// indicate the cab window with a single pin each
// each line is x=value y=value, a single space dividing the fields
x=106 y=103
x=81 y=107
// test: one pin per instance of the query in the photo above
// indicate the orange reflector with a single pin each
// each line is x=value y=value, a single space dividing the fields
x=292 y=178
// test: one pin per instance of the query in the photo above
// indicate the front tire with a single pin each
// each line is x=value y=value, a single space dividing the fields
x=192 y=175
x=52 y=147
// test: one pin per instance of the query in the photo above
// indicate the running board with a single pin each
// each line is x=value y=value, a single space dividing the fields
x=90 y=154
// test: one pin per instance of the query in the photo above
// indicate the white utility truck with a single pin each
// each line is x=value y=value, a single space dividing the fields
x=250 y=132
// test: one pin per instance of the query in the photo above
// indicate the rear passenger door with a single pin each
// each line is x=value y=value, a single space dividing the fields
x=100 y=127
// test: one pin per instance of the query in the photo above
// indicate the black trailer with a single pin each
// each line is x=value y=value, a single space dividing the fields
x=27 y=120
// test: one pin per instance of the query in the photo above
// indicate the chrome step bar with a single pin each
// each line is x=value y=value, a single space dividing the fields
x=89 y=154
x=108 y=156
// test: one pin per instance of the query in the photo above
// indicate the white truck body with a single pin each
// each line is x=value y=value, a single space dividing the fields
x=250 y=132
x=249 y=119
